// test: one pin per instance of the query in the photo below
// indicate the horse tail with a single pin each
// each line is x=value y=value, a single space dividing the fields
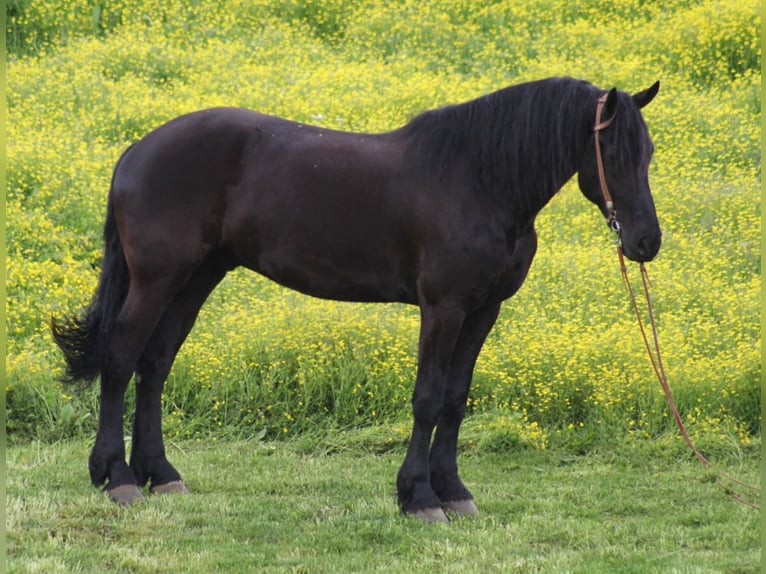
x=84 y=338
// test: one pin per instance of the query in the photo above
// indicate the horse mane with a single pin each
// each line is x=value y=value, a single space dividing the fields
x=524 y=139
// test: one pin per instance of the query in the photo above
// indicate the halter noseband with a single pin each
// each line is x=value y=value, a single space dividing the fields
x=611 y=213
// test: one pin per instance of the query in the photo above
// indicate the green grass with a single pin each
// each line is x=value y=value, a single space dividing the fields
x=327 y=505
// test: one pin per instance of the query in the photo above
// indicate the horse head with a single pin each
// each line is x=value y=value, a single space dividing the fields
x=621 y=148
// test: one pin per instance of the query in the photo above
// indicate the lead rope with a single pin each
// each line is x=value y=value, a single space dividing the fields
x=655 y=357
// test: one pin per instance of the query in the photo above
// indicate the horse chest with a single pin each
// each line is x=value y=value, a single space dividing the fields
x=516 y=266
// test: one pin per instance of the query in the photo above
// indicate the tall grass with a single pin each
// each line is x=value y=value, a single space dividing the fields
x=564 y=362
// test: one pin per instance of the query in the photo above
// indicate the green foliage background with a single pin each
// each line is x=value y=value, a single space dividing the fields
x=564 y=365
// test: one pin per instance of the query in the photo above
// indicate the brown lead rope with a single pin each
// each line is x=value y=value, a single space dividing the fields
x=659 y=370
x=656 y=357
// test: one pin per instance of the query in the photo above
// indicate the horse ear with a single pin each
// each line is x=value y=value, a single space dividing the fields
x=643 y=98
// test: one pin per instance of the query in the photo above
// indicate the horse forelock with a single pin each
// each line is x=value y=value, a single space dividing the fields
x=631 y=137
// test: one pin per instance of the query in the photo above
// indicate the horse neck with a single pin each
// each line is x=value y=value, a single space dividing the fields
x=546 y=157
x=514 y=148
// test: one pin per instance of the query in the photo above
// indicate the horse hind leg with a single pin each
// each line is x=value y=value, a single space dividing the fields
x=148 y=460
x=143 y=307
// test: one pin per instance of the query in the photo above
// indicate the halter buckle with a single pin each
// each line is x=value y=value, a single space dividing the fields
x=614 y=225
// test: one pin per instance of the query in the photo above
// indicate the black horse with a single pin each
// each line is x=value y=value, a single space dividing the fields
x=439 y=213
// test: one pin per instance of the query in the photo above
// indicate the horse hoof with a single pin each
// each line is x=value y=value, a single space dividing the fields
x=431 y=515
x=125 y=494
x=173 y=487
x=465 y=507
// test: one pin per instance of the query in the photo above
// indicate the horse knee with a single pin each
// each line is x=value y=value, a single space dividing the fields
x=453 y=414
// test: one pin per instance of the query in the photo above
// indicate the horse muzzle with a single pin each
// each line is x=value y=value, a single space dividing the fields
x=643 y=249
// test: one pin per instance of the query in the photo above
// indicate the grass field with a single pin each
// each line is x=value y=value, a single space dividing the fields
x=563 y=398
x=298 y=506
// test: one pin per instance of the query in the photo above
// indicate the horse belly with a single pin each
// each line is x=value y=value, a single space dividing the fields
x=326 y=251
x=330 y=278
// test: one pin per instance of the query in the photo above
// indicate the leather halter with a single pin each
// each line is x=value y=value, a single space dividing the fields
x=611 y=213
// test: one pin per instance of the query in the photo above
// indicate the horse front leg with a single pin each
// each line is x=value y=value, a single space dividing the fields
x=445 y=481
x=444 y=472
x=440 y=326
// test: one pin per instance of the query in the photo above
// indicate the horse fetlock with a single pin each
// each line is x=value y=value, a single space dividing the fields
x=156 y=469
x=98 y=469
x=110 y=467
x=415 y=496
x=449 y=488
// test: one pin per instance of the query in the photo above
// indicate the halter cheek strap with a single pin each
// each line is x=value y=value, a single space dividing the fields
x=611 y=213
